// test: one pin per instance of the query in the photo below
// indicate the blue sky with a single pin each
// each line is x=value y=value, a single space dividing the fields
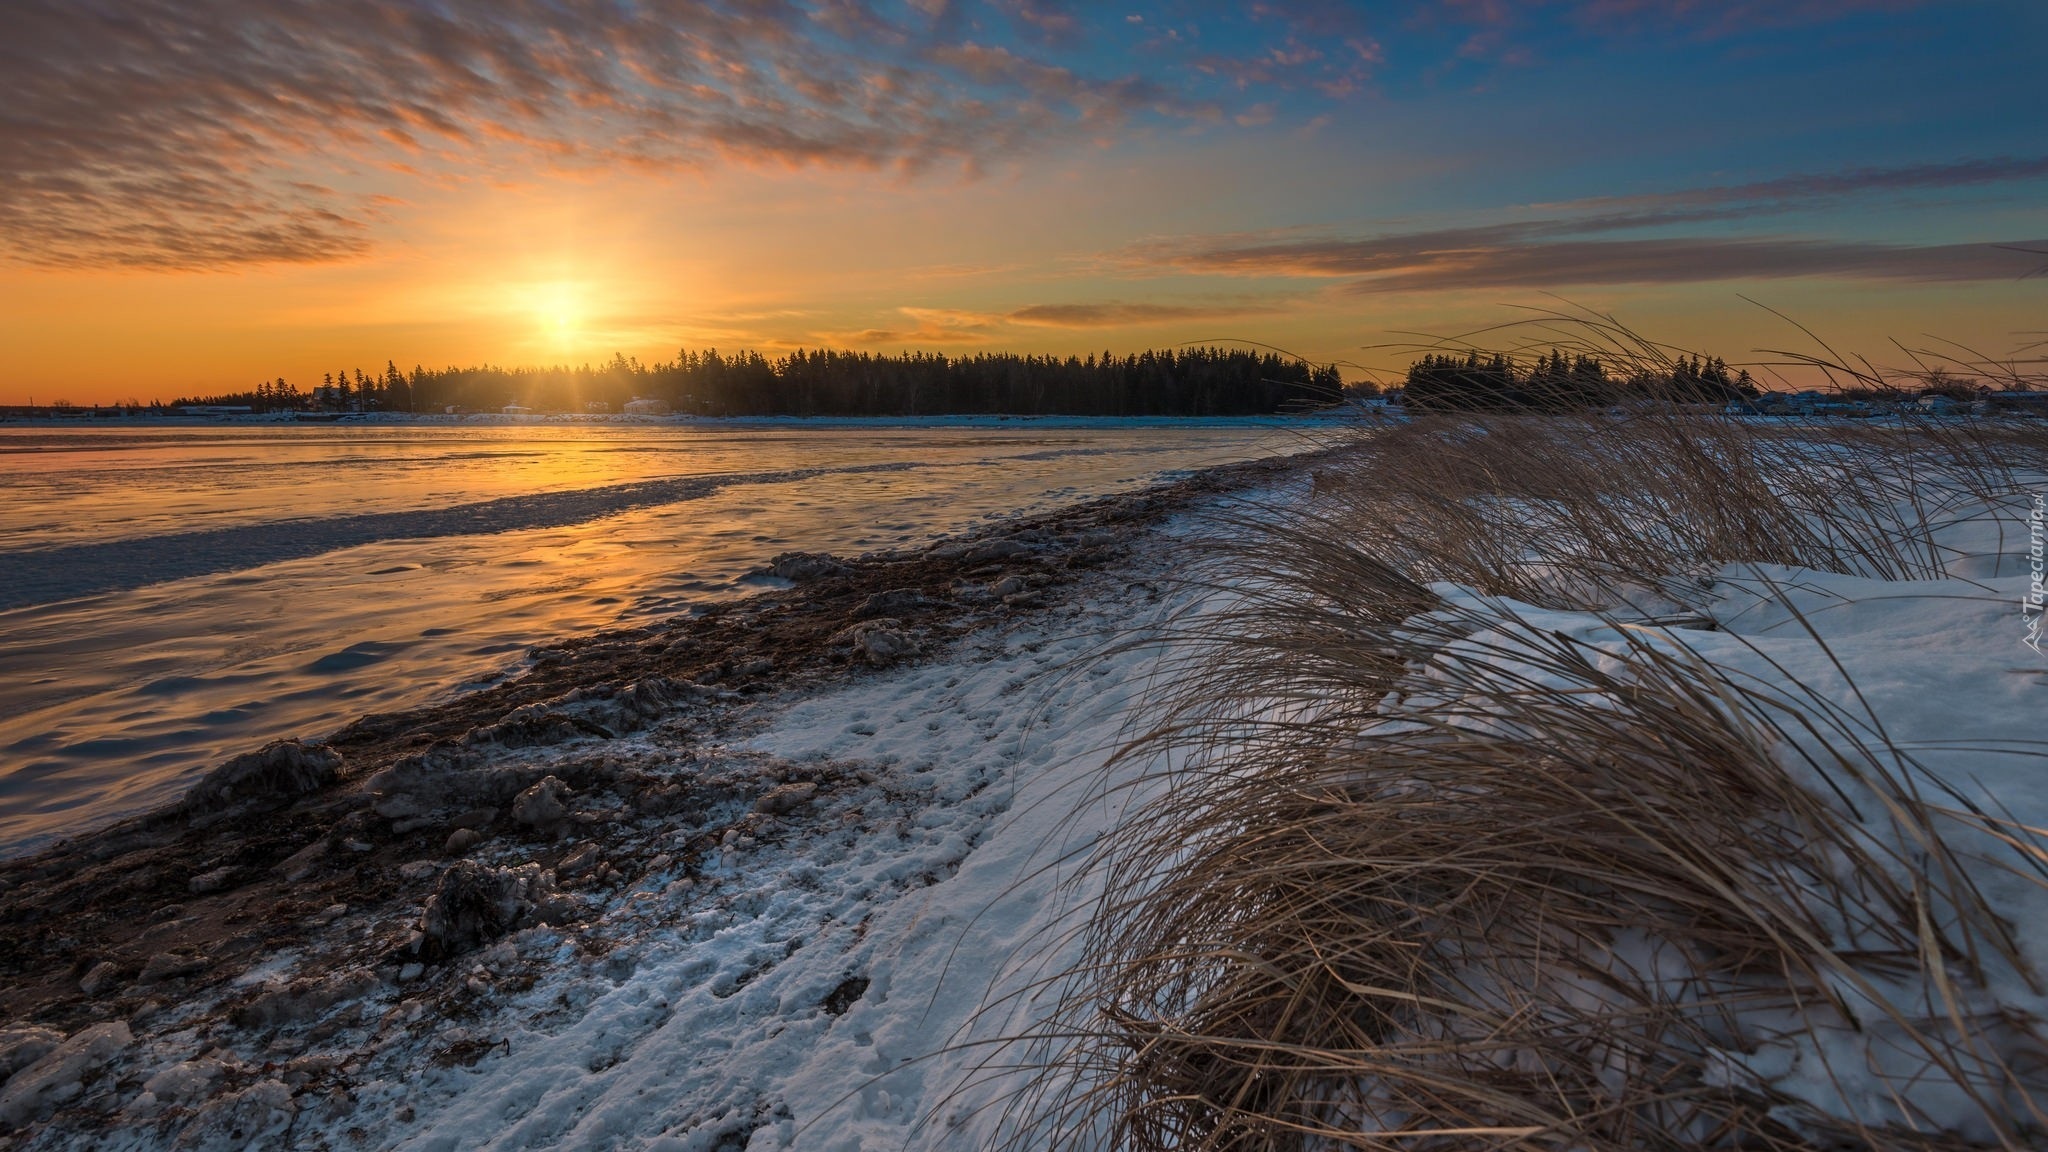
x=254 y=187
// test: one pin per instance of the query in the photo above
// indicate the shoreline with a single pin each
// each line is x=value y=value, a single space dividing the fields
x=255 y=860
x=695 y=423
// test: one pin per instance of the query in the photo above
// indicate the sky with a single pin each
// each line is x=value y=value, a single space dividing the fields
x=196 y=195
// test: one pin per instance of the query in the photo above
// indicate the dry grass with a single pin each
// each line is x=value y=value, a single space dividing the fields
x=1427 y=875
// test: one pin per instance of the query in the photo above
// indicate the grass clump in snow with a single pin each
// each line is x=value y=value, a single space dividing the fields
x=1428 y=872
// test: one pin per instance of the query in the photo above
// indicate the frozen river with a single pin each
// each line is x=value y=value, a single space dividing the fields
x=169 y=596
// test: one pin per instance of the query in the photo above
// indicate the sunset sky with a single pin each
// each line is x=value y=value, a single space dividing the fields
x=198 y=195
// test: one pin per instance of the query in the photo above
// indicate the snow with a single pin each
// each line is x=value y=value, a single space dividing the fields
x=840 y=974
x=935 y=873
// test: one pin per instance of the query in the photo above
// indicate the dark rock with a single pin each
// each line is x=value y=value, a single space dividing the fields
x=801 y=566
x=472 y=905
x=877 y=641
x=578 y=862
x=543 y=806
x=303 y=1000
x=99 y=978
x=462 y=840
x=304 y=862
x=843 y=997
x=995 y=550
x=786 y=797
x=273 y=776
x=170 y=966
x=890 y=603
x=207 y=882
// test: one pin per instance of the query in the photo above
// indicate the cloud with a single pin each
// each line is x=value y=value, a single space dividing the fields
x=1572 y=245
x=1808 y=188
x=931 y=326
x=1525 y=255
x=189 y=133
x=1512 y=256
x=1120 y=315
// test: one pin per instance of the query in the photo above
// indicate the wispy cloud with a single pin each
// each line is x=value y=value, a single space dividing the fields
x=944 y=326
x=189 y=133
x=1121 y=315
x=1574 y=244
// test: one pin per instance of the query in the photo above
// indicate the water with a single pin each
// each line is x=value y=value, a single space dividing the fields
x=172 y=596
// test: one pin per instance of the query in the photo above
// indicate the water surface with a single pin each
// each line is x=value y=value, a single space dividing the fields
x=170 y=596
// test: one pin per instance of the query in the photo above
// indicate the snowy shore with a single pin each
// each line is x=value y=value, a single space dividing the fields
x=789 y=874
x=748 y=876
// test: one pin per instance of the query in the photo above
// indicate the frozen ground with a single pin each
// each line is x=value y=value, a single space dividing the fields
x=825 y=970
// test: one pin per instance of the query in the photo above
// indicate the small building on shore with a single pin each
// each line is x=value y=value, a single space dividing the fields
x=641 y=406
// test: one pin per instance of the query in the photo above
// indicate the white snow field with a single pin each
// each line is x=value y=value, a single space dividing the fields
x=940 y=885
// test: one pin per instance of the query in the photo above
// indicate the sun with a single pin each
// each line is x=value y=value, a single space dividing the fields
x=560 y=311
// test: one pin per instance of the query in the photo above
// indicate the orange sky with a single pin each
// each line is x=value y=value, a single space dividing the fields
x=1317 y=217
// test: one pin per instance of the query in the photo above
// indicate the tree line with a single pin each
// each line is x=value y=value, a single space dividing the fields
x=1170 y=382
x=1554 y=381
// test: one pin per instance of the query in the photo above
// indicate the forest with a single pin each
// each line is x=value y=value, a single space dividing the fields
x=1497 y=382
x=1170 y=382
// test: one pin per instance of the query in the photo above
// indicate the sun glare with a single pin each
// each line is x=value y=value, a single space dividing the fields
x=559 y=310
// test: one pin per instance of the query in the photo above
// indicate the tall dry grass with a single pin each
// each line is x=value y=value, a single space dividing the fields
x=1422 y=873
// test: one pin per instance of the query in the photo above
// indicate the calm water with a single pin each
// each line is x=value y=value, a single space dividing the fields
x=172 y=596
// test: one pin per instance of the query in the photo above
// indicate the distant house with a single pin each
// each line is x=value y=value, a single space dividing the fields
x=639 y=406
x=596 y=407
x=516 y=410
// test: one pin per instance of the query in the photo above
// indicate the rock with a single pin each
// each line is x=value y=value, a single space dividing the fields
x=277 y=774
x=1095 y=539
x=461 y=840
x=994 y=550
x=411 y=972
x=1009 y=586
x=1022 y=600
x=213 y=881
x=801 y=566
x=23 y=1045
x=890 y=603
x=543 y=806
x=578 y=862
x=786 y=797
x=877 y=641
x=412 y=824
x=99 y=978
x=476 y=818
x=255 y=1117
x=473 y=905
x=59 y=1074
x=660 y=861
x=531 y=725
x=416 y=870
x=302 y=1000
x=169 y=966
x=304 y=862
x=189 y=1080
